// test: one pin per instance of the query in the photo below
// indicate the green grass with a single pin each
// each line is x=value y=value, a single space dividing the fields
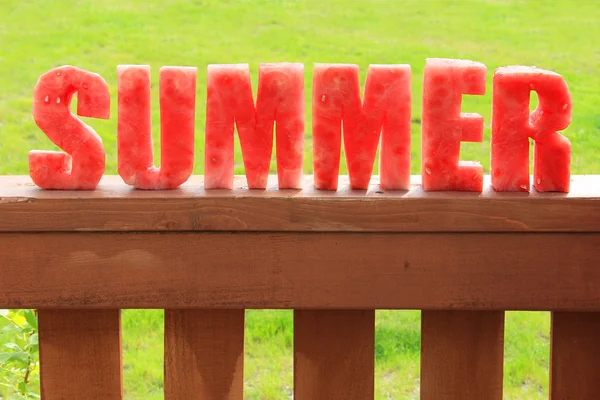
x=558 y=35
x=269 y=349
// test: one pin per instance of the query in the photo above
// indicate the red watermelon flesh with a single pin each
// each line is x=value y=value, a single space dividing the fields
x=444 y=126
x=281 y=99
x=384 y=114
x=390 y=108
x=552 y=161
x=513 y=126
x=177 y=87
x=83 y=164
x=230 y=102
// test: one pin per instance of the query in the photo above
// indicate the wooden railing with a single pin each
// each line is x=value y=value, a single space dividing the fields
x=204 y=257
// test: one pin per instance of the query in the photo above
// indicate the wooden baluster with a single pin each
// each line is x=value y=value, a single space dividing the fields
x=334 y=355
x=204 y=354
x=462 y=355
x=575 y=356
x=80 y=354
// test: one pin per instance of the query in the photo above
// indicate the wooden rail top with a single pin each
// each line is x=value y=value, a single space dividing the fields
x=122 y=248
x=116 y=207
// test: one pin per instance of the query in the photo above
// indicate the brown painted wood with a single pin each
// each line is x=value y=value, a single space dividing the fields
x=115 y=206
x=334 y=354
x=319 y=270
x=80 y=354
x=575 y=356
x=462 y=355
x=204 y=354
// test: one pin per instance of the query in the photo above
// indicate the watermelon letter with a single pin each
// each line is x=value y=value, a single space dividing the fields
x=513 y=125
x=444 y=126
x=83 y=164
x=177 y=114
x=385 y=114
x=230 y=101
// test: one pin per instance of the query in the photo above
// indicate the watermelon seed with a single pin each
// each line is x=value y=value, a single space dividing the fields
x=323 y=98
x=524 y=187
x=539 y=181
x=58 y=73
x=58 y=100
x=565 y=106
x=46 y=99
x=428 y=171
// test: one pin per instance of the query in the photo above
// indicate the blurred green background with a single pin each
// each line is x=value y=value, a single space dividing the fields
x=560 y=35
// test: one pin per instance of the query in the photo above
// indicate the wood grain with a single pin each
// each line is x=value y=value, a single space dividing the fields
x=296 y=270
x=204 y=354
x=80 y=354
x=575 y=356
x=462 y=355
x=334 y=354
x=115 y=206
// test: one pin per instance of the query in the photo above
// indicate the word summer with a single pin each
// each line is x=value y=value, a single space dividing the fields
x=381 y=118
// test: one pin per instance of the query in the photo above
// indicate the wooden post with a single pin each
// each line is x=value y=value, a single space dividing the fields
x=80 y=354
x=462 y=355
x=334 y=355
x=204 y=354
x=575 y=356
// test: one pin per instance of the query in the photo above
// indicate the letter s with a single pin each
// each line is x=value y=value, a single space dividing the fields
x=83 y=164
